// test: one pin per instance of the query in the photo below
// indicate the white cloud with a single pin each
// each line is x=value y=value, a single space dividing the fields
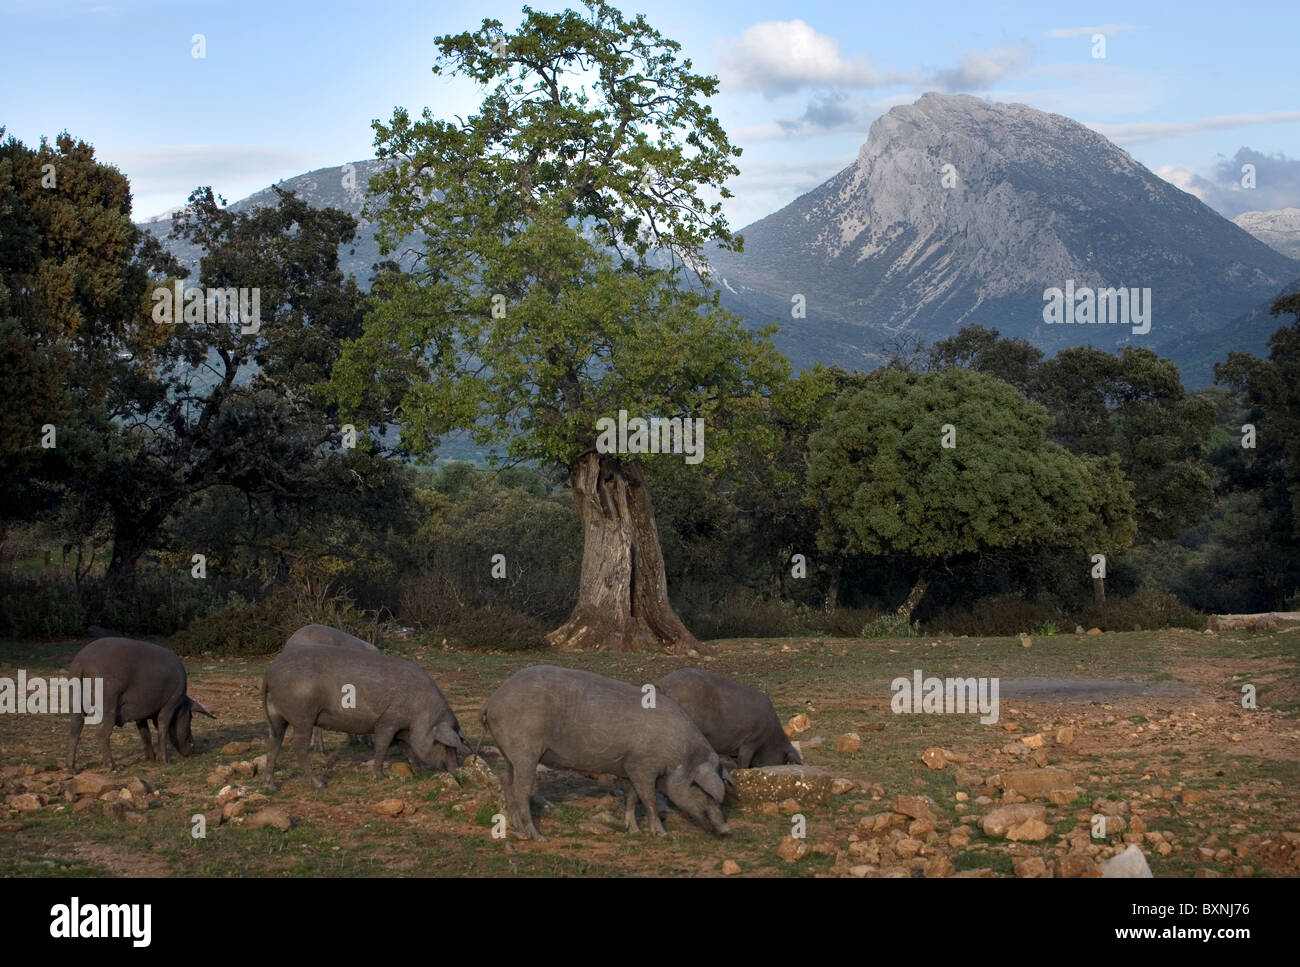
x=1141 y=131
x=1108 y=29
x=779 y=57
x=765 y=187
x=981 y=69
x=163 y=177
x=1276 y=180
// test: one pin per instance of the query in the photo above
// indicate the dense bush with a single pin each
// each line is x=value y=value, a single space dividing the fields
x=1144 y=609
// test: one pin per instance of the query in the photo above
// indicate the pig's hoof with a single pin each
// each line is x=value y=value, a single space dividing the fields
x=724 y=830
x=660 y=831
x=318 y=783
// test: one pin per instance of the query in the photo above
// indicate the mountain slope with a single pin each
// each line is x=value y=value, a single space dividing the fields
x=1279 y=230
x=1038 y=199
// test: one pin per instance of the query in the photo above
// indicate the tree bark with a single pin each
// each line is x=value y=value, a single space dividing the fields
x=915 y=595
x=623 y=591
x=833 y=588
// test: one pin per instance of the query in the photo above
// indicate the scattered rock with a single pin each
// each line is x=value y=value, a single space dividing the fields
x=791 y=849
x=1094 y=631
x=730 y=867
x=84 y=804
x=235 y=748
x=1132 y=864
x=1065 y=735
x=400 y=770
x=138 y=787
x=1026 y=641
x=259 y=764
x=939 y=867
x=270 y=816
x=840 y=786
x=1191 y=796
x=916 y=807
x=243 y=768
x=227 y=794
x=389 y=807
x=934 y=758
x=1001 y=820
x=789 y=807
x=806 y=784
x=25 y=802
x=1031 y=830
x=1030 y=867
x=967 y=777
x=1075 y=866
x=477 y=772
x=800 y=723
x=1034 y=741
x=848 y=742
x=908 y=847
x=1036 y=782
x=233 y=810
x=91 y=784
x=1078 y=629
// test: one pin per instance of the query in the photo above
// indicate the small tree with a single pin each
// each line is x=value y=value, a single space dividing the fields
x=938 y=466
x=538 y=307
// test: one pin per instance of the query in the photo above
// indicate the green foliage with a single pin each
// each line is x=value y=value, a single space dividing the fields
x=537 y=308
x=890 y=626
x=1001 y=615
x=1046 y=628
x=1143 y=610
x=885 y=485
x=1133 y=405
x=241 y=627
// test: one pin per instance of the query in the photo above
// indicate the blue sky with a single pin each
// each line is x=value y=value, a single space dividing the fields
x=286 y=87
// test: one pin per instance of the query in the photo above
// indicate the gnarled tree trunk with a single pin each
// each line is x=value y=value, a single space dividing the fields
x=622 y=592
x=915 y=595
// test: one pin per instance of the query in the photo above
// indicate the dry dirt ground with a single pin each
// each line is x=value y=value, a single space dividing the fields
x=1149 y=729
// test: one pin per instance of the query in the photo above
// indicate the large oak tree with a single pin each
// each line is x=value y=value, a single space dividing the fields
x=557 y=225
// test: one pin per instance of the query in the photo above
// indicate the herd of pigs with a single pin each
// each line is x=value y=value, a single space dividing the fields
x=671 y=739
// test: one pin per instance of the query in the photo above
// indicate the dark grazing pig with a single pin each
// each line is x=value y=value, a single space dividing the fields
x=361 y=693
x=325 y=635
x=143 y=682
x=737 y=719
x=571 y=719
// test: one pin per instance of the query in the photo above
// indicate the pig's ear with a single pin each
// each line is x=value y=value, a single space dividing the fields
x=727 y=781
x=198 y=707
x=444 y=733
x=707 y=778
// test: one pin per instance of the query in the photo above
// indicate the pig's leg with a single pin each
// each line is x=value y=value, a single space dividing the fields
x=523 y=778
x=143 y=726
x=76 y=721
x=278 y=725
x=629 y=817
x=318 y=739
x=383 y=739
x=745 y=757
x=105 y=733
x=302 y=750
x=165 y=718
x=644 y=782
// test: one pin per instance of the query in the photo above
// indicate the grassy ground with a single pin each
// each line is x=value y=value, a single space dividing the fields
x=1191 y=735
